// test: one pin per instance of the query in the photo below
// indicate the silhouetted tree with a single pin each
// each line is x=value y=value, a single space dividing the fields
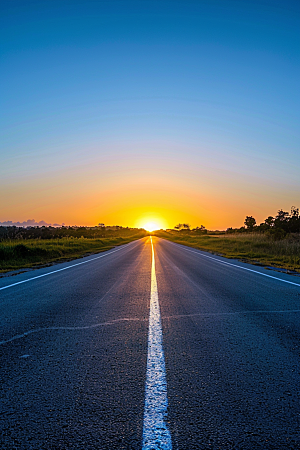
x=250 y=222
x=281 y=216
x=281 y=220
x=269 y=221
x=178 y=226
x=182 y=226
x=200 y=229
x=294 y=221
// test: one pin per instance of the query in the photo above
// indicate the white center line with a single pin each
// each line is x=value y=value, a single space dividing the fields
x=156 y=435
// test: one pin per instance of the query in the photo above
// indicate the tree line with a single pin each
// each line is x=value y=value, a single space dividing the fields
x=277 y=227
x=186 y=227
x=36 y=232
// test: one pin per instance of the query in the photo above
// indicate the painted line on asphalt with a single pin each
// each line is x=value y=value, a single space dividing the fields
x=243 y=268
x=64 y=268
x=156 y=435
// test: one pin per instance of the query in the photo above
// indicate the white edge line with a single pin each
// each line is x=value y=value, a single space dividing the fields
x=199 y=253
x=64 y=268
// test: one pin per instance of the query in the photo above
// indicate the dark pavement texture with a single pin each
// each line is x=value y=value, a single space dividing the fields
x=74 y=376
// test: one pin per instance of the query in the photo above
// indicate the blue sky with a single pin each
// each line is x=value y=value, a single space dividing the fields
x=97 y=90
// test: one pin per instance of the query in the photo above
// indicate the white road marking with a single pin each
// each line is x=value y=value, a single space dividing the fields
x=60 y=270
x=243 y=268
x=156 y=435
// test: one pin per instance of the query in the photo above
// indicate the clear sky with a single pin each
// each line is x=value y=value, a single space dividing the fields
x=170 y=111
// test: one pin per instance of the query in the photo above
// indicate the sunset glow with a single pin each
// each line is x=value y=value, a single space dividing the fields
x=149 y=114
x=151 y=223
x=151 y=226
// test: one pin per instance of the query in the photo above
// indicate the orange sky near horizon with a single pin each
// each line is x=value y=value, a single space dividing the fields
x=129 y=190
x=160 y=112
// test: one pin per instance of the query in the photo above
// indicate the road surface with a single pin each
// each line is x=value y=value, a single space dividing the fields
x=150 y=346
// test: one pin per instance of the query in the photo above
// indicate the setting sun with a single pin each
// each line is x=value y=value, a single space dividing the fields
x=151 y=223
x=151 y=226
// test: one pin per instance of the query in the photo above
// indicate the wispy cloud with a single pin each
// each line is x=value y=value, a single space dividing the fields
x=29 y=223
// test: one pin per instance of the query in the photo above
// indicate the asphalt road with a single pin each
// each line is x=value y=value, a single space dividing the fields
x=74 y=346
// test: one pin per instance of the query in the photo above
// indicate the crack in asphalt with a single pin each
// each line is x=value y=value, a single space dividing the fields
x=68 y=328
x=220 y=314
x=130 y=319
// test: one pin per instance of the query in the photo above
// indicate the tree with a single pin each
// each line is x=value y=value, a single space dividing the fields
x=281 y=216
x=200 y=229
x=281 y=220
x=294 y=220
x=294 y=212
x=250 y=222
x=269 y=221
x=182 y=226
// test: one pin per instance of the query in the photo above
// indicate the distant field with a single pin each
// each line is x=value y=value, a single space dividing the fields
x=251 y=247
x=16 y=254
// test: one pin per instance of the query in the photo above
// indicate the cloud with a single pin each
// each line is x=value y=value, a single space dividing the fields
x=29 y=223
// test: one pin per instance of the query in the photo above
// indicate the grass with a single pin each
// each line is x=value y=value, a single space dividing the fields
x=251 y=247
x=16 y=254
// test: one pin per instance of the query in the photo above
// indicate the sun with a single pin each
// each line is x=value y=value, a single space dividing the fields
x=151 y=226
x=151 y=222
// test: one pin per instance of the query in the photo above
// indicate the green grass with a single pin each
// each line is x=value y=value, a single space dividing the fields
x=16 y=254
x=250 y=247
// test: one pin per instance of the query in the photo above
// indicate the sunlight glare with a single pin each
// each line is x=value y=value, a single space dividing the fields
x=151 y=226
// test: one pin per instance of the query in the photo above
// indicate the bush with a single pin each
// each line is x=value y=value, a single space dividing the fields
x=21 y=251
x=276 y=234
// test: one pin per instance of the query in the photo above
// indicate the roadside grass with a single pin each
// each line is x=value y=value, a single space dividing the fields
x=250 y=247
x=16 y=254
